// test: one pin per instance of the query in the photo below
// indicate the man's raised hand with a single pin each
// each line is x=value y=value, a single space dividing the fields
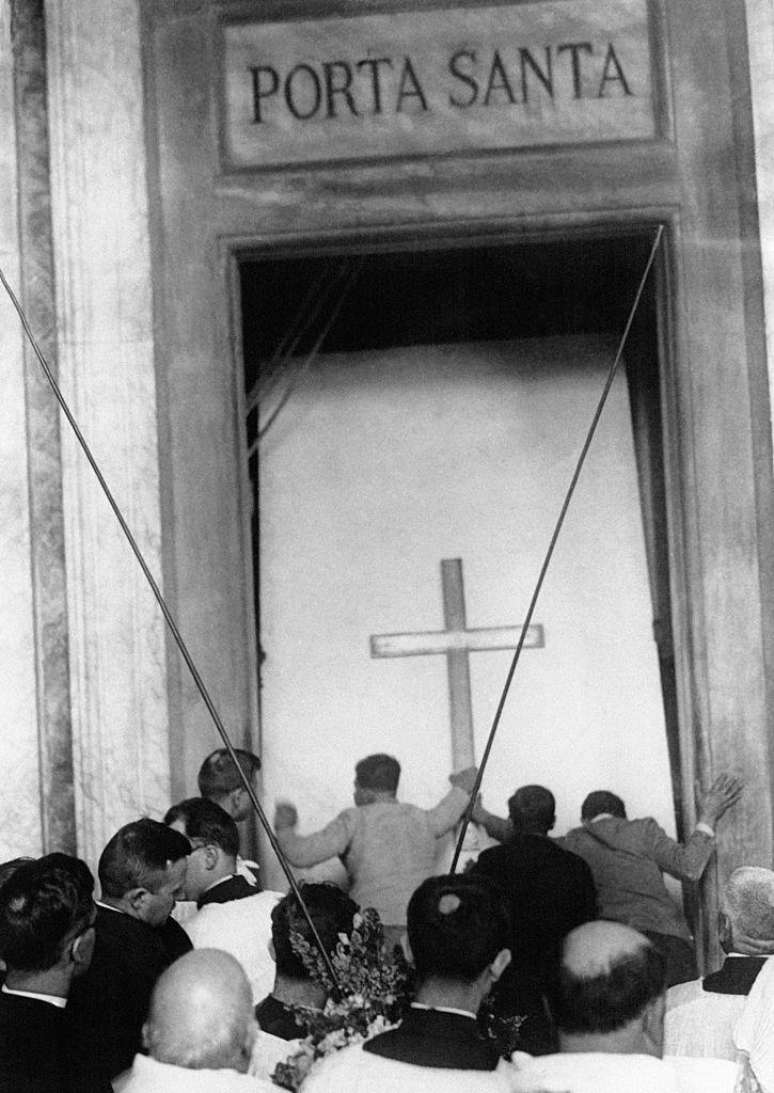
x=464 y=779
x=724 y=792
x=285 y=815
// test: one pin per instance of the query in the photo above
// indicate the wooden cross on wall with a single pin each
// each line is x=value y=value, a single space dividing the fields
x=456 y=642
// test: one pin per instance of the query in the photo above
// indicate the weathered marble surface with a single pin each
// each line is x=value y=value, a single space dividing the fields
x=36 y=289
x=20 y=828
x=105 y=343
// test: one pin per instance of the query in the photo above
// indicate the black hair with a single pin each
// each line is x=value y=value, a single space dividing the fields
x=332 y=912
x=532 y=808
x=608 y=1001
x=457 y=925
x=42 y=903
x=218 y=774
x=137 y=857
x=206 y=822
x=378 y=772
x=602 y=800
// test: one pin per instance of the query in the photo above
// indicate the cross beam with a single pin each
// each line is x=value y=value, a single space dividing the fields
x=456 y=642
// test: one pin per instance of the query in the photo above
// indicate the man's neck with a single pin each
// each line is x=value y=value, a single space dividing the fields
x=299 y=992
x=226 y=873
x=53 y=981
x=374 y=796
x=626 y=1041
x=450 y=994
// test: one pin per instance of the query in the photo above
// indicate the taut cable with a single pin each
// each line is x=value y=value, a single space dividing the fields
x=544 y=568
x=173 y=629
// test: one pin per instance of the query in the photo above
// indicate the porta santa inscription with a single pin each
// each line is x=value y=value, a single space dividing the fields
x=442 y=81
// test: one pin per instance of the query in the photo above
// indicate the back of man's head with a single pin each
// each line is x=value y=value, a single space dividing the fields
x=747 y=919
x=378 y=773
x=44 y=904
x=331 y=911
x=201 y=1014
x=138 y=855
x=532 y=809
x=457 y=925
x=608 y=977
x=218 y=775
x=602 y=801
x=205 y=823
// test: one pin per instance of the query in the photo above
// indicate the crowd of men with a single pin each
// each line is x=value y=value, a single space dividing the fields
x=574 y=940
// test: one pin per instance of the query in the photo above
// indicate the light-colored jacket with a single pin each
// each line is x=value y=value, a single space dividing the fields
x=388 y=849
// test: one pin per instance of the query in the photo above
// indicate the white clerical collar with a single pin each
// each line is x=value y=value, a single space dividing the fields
x=442 y=1009
x=52 y=999
x=109 y=907
x=222 y=880
x=602 y=816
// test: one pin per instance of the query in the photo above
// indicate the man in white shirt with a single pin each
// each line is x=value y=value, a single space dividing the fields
x=200 y=1031
x=219 y=781
x=231 y=913
x=607 y=1000
x=701 y=1015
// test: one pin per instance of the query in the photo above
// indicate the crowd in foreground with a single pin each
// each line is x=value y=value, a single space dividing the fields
x=551 y=965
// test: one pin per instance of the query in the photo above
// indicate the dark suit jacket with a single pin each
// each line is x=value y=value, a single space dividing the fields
x=549 y=890
x=34 y=1050
x=108 y=1005
x=736 y=976
x=436 y=1039
x=32 y=1046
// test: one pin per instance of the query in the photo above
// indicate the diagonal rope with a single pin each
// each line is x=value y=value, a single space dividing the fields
x=300 y=372
x=549 y=553
x=172 y=627
x=314 y=300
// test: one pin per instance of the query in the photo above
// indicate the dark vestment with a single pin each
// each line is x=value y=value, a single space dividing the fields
x=236 y=887
x=736 y=976
x=433 y=1038
x=278 y=1018
x=34 y=1049
x=109 y=1003
x=550 y=891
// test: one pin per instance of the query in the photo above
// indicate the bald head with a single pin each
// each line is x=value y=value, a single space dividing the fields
x=592 y=949
x=608 y=975
x=201 y=1014
x=747 y=923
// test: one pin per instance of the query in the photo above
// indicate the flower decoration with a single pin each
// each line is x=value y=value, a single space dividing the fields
x=375 y=990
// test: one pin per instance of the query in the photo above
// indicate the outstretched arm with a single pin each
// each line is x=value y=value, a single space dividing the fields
x=688 y=860
x=305 y=850
x=495 y=826
x=448 y=811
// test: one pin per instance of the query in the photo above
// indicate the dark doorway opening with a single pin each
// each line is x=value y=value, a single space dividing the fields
x=391 y=296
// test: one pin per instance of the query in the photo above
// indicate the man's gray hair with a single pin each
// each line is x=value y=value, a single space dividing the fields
x=748 y=900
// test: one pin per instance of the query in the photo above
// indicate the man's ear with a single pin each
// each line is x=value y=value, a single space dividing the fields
x=272 y=951
x=653 y=1024
x=136 y=899
x=211 y=857
x=404 y=941
x=724 y=931
x=145 y=1039
x=552 y=825
x=499 y=964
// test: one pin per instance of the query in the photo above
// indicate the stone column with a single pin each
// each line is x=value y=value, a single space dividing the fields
x=106 y=359
x=21 y=829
